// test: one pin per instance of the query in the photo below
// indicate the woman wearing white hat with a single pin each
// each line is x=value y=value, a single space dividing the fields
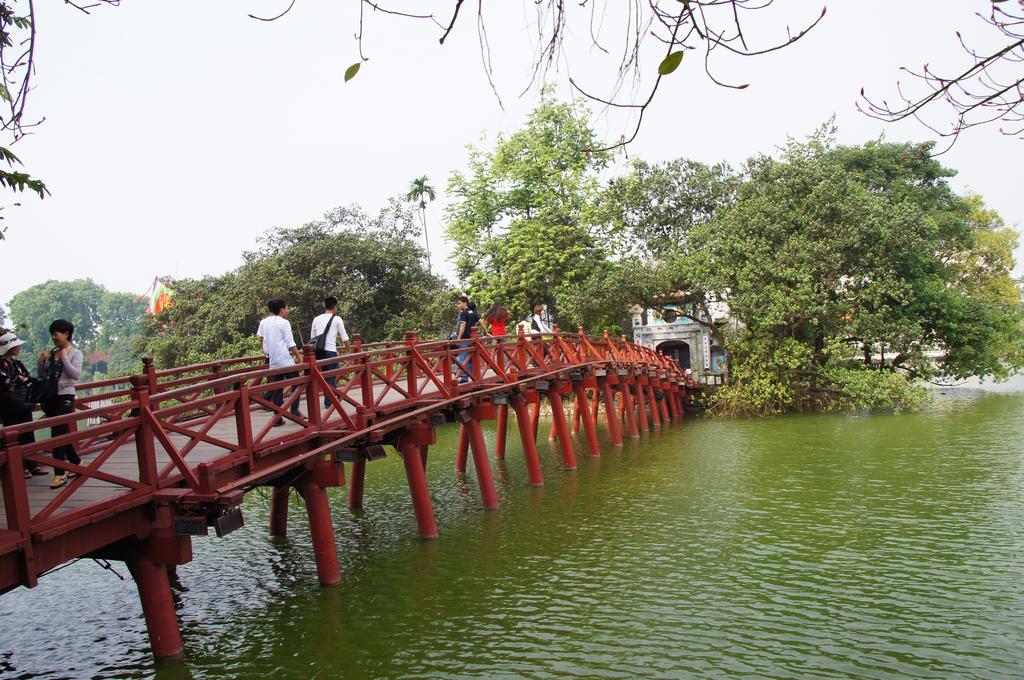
x=14 y=406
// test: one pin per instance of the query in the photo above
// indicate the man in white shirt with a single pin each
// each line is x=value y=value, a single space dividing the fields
x=275 y=332
x=331 y=334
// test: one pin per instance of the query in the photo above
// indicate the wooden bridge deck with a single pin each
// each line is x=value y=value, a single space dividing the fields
x=124 y=463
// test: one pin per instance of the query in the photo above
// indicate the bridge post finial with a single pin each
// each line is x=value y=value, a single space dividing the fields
x=149 y=370
x=357 y=342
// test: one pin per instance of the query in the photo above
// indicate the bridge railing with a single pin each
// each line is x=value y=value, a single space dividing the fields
x=187 y=422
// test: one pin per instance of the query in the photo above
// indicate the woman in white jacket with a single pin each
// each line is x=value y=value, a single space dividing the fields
x=537 y=322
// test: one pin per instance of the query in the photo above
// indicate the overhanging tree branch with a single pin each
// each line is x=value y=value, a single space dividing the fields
x=989 y=90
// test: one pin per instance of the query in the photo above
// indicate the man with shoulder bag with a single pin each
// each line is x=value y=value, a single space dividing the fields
x=324 y=334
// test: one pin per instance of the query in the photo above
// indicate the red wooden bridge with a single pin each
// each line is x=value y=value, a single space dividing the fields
x=170 y=453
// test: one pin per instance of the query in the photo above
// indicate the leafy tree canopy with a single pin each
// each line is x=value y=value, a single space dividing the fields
x=833 y=248
x=104 y=320
x=519 y=219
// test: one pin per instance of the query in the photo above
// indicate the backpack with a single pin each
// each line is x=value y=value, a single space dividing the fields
x=320 y=341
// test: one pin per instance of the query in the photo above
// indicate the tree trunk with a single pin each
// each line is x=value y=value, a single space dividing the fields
x=426 y=240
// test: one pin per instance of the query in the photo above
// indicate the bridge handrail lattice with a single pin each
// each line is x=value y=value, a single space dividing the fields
x=214 y=409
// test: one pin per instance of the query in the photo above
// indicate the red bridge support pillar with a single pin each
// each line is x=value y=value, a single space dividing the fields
x=562 y=428
x=652 y=401
x=482 y=466
x=158 y=607
x=463 y=450
x=279 y=510
x=526 y=435
x=663 y=404
x=629 y=408
x=502 y=434
x=412 y=458
x=322 y=532
x=535 y=419
x=587 y=416
x=670 y=398
x=611 y=416
x=641 y=406
x=355 y=484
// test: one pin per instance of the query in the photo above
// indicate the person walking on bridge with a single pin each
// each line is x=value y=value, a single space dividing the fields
x=324 y=334
x=497 y=317
x=538 y=324
x=61 y=367
x=275 y=332
x=466 y=320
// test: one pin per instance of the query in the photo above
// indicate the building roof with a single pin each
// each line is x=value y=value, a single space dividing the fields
x=96 y=356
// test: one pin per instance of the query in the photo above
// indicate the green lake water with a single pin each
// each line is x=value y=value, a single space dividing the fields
x=806 y=546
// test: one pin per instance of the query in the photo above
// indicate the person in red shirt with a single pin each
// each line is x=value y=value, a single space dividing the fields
x=496 y=317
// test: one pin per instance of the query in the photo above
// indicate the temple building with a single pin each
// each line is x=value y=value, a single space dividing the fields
x=689 y=343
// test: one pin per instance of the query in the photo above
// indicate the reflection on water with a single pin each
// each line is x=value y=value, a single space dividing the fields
x=840 y=546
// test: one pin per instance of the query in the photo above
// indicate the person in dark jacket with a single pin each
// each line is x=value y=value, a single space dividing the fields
x=464 y=324
x=15 y=408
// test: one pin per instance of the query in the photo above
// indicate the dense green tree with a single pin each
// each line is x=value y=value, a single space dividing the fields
x=372 y=264
x=652 y=208
x=104 y=320
x=646 y=217
x=833 y=252
x=77 y=301
x=833 y=260
x=120 y=318
x=520 y=218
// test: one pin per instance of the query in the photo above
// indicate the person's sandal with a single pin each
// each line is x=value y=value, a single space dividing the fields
x=58 y=481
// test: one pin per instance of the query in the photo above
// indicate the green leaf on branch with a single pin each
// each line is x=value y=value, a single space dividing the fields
x=351 y=71
x=670 y=63
x=20 y=181
x=8 y=156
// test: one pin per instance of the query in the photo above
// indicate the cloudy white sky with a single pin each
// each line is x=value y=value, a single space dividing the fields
x=177 y=132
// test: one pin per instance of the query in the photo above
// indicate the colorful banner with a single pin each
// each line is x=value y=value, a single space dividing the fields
x=160 y=296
